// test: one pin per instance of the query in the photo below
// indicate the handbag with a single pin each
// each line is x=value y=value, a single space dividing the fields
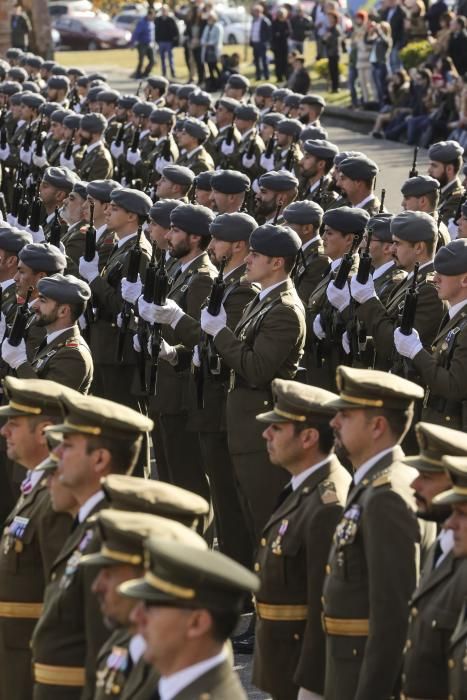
x=210 y=55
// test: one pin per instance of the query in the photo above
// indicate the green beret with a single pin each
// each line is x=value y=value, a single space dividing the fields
x=31 y=87
x=61 y=178
x=202 y=181
x=238 y=82
x=43 y=257
x=233 y=227
x=445 y=151
x=10 y=87
x=143 y=109
x=192 y=218
x=297 y=402
x=249 y=113
x=17 y=73
x=451 y=259
x=94 y=93
x=179 y=174
x=66 y=289
x=15 y=99
x=272 y=119
x=200 y=98
x=72 y=121
x=265 y=90
x=102 y=189
x=314 y=133
x=72 y=71
x=95 y=123
x=158 y=83
x=230 y=181
x=108 y=96
x=173 y=88
x=303 y=212
x=343 y=155
x=380 y=224
x=58 y=82
x=13 y=239
x=323 y=150
x=59 y=115
x=313 y=100
x=34 y=61
x=80 y=188
x=278 y=181
x=420 y=185
x=346 y=219
x=127 y=101
x=160 y=211
x=48 y=108
x=275 y=241
x=359 y=168
x=184 y=91
x=162 y=115
x=31 y=100
x=58 y=70
x=280 y=94
x=133 y=201
x=290 y=127
x=293 y=101
x=196 y=128
x=414 y=226
x=229 y=103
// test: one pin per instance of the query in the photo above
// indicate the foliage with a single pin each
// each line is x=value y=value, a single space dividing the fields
x=320 y=68
x=415 y=53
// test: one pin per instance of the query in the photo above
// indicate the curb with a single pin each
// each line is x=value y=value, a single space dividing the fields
x=358 y=120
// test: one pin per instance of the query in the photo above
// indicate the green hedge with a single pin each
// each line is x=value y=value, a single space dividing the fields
x=321 y=69
x=415 y=53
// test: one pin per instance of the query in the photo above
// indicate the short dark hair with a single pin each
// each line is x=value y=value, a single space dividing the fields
x=456 y=164
x=399 y=420
x=326 y=433
x=223 y=623
x=289 y=263
x=124 y=452
x=328 y=164
x=77 y=309
x=433 y=198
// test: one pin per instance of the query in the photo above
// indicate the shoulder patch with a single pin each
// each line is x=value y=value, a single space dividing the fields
x=382 y=479
x=71 y=344
x=327 y=492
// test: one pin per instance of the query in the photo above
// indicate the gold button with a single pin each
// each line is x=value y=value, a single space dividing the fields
x=266 y=403
x=257 y=566
x=263 y=542
x=451 y=663
x=408 y=644
x=450 y=696
x=448 y=418
x=365 y=482
x=414 y=612
x=434 y=623
x=54 y=576
x=296 y=636
x=354 y=652
x=322 y=600
x=328 y=568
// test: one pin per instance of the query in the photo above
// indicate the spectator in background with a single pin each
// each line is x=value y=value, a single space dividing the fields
x=279 y=43
x=144 y=39
x=166 y=38
x=459 y=126
x=20 y=28
x=300 y=24
x=379 y=38
x=393 y=13
x=211 y=48
x=332 y=41
x=195 y=22
x=320 y=21
x=457 y=47
x=434 y=14
x=299 y=79
x=259 y=39
x=415 y=23
x=443 y=36
x=394 y=114
x=365 y=78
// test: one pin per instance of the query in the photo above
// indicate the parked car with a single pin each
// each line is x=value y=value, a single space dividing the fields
x=90 y=33
x=236 y=32
x=127 y=20
x=70 y=7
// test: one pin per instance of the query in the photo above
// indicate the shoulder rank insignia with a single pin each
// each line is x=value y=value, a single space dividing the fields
x=327 y=492
x=71 y=344
x=346 y=529
x=382 y=479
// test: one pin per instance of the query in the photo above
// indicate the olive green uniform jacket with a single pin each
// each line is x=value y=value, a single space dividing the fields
x=219 y=683
x=198 y=160
x=434 y=610
x=71 y=630
x=145 y=169
x=220 y=160
x=291 y=560
x=117 y=677
x=96 y=164
x=33 y=534
x=449 y=201
x=66 y=360
x=74 y=240
x=372 y=573
x=457 y=662
x=443 y=373
x=381 y=321
x=310 y=269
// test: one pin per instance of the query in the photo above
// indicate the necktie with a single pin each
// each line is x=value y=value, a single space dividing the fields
x=75 y=523
x=438 y=552
x=26 y=484
x=284 y=494
x=41 y=346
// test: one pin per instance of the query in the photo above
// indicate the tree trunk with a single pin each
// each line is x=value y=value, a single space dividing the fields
x=6 y=10
x=41 y=39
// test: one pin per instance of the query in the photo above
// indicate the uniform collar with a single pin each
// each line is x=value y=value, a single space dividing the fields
x=171 y=686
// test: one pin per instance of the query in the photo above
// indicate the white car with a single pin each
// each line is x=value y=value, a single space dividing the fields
x=237 y=32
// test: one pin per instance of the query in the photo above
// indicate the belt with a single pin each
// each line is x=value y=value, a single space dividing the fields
x=72 y=676
x=344 y=627
x=281 y=612
x=21 y=610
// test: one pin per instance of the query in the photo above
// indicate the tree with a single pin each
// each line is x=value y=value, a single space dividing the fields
x=6 y=9
x=41 y=40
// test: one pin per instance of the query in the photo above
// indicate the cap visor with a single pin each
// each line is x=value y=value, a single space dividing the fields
x=271 y=417
x=423 y=465
x=47 y=465
x=139 y=588
x=7 y=411
x=340 y=403
x=98 y=559
x=449 y=498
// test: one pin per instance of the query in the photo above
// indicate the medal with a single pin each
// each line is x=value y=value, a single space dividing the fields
x=276 y=545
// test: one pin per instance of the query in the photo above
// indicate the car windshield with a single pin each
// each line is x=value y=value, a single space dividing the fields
x=98 y=24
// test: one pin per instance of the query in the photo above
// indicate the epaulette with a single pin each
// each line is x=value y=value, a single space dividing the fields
x=71 y=343
x=382 y=479
x=327 y=492
x=429 y=277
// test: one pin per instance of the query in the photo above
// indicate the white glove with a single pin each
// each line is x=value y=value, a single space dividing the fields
x=267 y=163
x=39 y=161
x=362 y=292
x=248 y=162
x=133 y=157
x=37 y=236
x=161 y=163
x=117 y=150
x=2 y=327
x=131 y=291
x=196 y=359
x=318 y=328
x=77 y=108
x=168 y=353
x=339 y=298
x=25 y=156
x=119 y=320
x=255 y=186
x=169 y=314
x=213 y=324
x=304 y=694
x=89 y=270
x=407 y=345
x=227 y=148
x=5 y=153
x=146 y=310
x=12 y=220
x=136 y=343
x=14 y=356
x=453 y=229
x=67 y=162
x=346 y=343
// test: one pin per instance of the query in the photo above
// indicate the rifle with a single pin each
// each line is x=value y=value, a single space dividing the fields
x=356 y=330
x=90 y=242
x=132 y=276
x=18 y=191
x=346 y=263
x=414 y=172
x=19 y=324
x=383 y=197
x=69 y=147
x=161 y=287
x=73 y=97
x=400 y=365
x=23 y=208
x=364 y=266
x=290 y=157
x=27 y=140
x=148 y=296
x=3 y=137
x=138 y=89
x=276 y=215
x=36 y=210
x=55 y=230
x=251 y=147
x=319 y=192
x=229 y=135
x=39 y=138
x=133 y=148
x=210 y=361
x=166 y=153
x=270 y=147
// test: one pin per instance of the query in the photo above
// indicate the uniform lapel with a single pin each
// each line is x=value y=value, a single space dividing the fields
x=385 y=462
x=452 y=323
x=432 y=577
x=256 y=305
